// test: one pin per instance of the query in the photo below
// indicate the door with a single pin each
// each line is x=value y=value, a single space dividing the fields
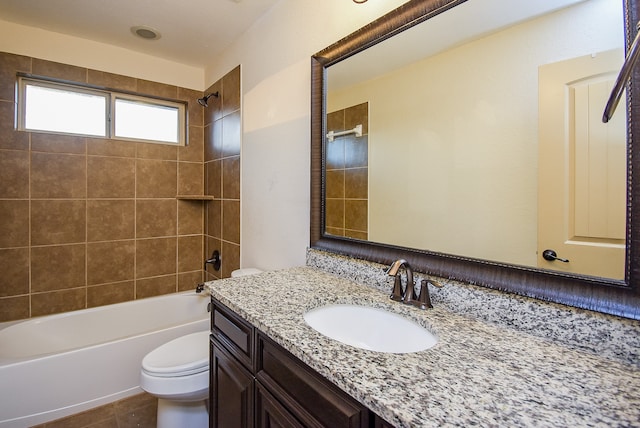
x=581 y=167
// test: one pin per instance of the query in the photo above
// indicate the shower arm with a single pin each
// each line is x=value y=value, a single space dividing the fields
x=204 y=101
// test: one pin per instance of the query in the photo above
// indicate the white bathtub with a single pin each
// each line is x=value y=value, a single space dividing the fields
x=58 y=365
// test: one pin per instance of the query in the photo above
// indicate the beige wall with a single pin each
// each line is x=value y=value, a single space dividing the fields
x=275 y=56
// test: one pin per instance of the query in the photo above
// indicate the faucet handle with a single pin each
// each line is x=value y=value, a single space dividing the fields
x=424 y=300
x=435 y=283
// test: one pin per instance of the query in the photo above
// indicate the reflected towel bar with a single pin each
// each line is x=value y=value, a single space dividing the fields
x=623 y=78
x=357 y=130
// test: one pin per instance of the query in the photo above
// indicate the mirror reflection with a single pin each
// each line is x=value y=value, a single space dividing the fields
x=487 y=143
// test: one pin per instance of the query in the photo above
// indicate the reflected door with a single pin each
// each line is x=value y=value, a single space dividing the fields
x=582 y=168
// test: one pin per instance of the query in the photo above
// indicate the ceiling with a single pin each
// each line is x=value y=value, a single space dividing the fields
x=192 y=32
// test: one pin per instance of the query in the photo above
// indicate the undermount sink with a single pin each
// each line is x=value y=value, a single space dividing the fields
x=370 y=328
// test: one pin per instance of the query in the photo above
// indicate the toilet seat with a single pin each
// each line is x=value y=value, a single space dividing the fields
x=184 y=356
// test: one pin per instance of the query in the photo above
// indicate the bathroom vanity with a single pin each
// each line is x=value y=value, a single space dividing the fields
x=269 y=368
x=253 y=378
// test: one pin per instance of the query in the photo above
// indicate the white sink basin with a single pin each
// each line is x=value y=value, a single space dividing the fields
x=370 y=328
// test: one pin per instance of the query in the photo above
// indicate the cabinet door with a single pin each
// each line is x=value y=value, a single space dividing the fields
x=231 y=391
x=270 y=413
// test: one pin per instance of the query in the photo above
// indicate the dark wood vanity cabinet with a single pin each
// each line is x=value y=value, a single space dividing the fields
x=234 y=388
x=257 y=383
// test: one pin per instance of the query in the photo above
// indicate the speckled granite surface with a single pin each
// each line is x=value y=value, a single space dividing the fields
x=480 y=373
x=594 y=332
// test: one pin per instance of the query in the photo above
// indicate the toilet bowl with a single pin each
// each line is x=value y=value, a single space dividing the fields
x=178 y=374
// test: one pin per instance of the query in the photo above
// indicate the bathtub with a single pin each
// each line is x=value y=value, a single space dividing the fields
x=58 y=365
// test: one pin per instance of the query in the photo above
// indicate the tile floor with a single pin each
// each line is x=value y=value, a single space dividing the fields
x=138 y=411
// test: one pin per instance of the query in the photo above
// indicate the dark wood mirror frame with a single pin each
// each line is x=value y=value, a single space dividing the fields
x=614 y=297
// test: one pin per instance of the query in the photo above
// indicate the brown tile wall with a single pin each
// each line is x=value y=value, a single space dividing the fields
x=222 y=131
x=86 y=221
x=347 y=174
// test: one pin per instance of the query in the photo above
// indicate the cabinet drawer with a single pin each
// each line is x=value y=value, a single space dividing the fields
x=233 y=332
x=311 y=398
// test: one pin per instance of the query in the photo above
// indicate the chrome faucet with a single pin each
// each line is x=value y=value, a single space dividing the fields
x=408 y=296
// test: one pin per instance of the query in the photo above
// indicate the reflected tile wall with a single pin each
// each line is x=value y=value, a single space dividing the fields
x=86 y=222
x=347 y=174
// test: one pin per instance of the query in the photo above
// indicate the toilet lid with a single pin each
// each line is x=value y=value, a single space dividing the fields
x=179 y=357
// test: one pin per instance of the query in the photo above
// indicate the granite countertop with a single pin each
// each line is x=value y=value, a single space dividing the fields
x=478 y=373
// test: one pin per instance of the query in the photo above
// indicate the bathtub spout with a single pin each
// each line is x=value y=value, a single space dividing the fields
x=200 y=288
x=203 y=289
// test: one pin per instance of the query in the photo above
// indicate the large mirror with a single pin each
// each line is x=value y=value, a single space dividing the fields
x=465 y=136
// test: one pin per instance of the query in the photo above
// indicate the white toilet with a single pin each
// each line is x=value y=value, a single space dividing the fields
x=178 y=374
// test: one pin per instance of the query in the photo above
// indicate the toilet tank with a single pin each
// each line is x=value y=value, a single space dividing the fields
x=244 y=272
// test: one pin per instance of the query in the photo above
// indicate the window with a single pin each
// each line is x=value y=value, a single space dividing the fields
x=82 y=112
x=142 y=120
x=46 y=106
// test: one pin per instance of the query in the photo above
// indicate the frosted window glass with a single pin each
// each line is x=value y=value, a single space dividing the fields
x=135 y=119
x=58 y=110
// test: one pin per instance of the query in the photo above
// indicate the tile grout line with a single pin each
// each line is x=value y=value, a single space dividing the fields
x=29 y=234
x=86 y=225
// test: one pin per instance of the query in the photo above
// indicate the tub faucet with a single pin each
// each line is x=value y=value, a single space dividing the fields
x=203 y=287
x=409 y=294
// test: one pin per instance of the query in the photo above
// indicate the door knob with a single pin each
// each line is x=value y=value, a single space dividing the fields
x=551 y=256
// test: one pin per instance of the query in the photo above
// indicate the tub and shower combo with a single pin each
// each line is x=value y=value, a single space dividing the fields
x=59 y=365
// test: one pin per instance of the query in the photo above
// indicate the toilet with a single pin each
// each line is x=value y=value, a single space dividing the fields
x=177 y=372
x=244 y=272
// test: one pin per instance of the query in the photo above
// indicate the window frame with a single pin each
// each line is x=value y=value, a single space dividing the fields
x=110 y=96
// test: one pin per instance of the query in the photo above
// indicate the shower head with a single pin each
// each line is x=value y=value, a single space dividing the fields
x=203 y=101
